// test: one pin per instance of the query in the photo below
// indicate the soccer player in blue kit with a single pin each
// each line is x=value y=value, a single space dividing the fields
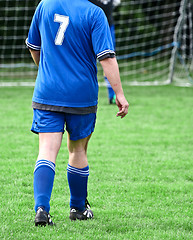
x=65 y=40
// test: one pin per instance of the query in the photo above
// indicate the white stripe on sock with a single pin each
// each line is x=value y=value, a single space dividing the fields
x=78 y=171
x=47 y=163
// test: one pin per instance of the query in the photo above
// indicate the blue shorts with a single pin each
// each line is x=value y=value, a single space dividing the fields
x=78 y=126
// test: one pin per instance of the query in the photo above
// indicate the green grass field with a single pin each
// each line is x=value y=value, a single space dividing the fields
x=141 y=170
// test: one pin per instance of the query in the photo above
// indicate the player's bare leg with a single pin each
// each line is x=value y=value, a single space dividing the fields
x=49 y=145
x=78 y=152
x=78 y=172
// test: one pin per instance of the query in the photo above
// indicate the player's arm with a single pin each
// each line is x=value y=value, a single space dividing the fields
x=35 y=55
x=111 y=70
x=104 y=50
x=33 y=40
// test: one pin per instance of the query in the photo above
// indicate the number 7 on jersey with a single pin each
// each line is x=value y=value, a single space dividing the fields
x=64 y=21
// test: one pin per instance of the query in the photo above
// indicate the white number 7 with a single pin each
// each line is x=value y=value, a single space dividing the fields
x=64 y=21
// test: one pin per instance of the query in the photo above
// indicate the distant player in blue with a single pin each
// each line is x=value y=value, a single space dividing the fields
x=65 y=39
x=108 y=7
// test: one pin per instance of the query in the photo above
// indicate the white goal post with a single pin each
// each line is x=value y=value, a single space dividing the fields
x=154 y=41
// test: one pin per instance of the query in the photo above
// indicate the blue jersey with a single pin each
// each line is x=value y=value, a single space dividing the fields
x=71 y=35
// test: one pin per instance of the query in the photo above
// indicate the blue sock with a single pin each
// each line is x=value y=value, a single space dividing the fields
x=44 y=173
x=77 y=180
x=110 y=90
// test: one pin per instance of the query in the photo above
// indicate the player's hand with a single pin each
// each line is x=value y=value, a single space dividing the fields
x=123 y=106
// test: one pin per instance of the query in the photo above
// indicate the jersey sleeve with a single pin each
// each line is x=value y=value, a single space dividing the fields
x=101 y=36
x=33 y=40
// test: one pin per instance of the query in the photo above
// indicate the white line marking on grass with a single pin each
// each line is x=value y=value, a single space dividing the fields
x=17 y=84
x=101 y=84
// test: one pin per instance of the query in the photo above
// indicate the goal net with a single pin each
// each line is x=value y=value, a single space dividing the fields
x=15 y=61
x=181 y=67
x=154 y=41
